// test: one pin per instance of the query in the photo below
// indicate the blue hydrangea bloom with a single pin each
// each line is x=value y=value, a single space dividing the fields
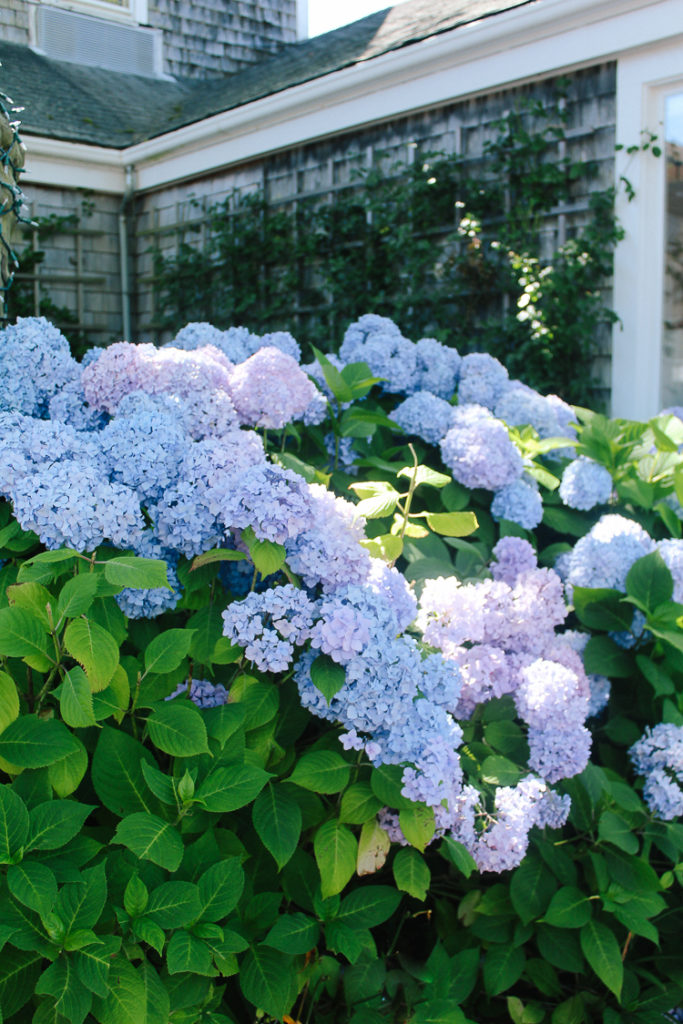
x=483 y=379
x=424 y=415
x=203 y=693
x=658 y=755
x=437 y=368
x=478 y=451
x=604 y=556
x=377 y=341
x=520 y=502
x=147 y=604
x=585 y=484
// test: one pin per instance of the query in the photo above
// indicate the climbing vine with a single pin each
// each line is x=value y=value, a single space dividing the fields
x=446 y=248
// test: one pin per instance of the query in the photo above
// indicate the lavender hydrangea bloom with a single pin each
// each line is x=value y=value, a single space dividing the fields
x=203 y=693
x=257 y=403
x=328 y=552
x=281 y=340
x=437 y=368
x=514 y=556
x=35 y=362
x=68 y=405
x=269 y=625
x=519 y=405
x=274 y=502
x=585 y=484
x=478 y=450
x=342 y=453
x=604 y=556
x=672 y=553
x=658 y=755
x=519 y=502
x=377 y=341
x=483 y=379
x=424 y=415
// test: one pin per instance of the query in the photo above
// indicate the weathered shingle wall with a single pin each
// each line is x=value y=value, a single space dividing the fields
x=14 y=22
x=209 y=38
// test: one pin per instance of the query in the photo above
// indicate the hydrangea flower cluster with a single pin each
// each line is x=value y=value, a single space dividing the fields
x=585 y=484
x=658 y=755
x=603 y=557
x=478 y=450
x=203 y=693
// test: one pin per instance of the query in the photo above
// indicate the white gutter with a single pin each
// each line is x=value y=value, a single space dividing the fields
x=73 y=165
x=525 y=43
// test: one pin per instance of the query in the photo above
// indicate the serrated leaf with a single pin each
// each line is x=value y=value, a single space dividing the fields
x=267 y=556
x=23 y=635
x=185 y=953
x=373 y=848
x=417 y=824
x=19 y=972
x=503 y=966
x=34 y=885
x=72 y=999
x=293 y=933
x=612 y=828
x=220 y=888
x=268 y=980
x=217 y=555
x=452 y=524
x=80 y=904
x=411 y=873
x=277 y=819
x=649 y=582
x=77 y=595
x=150 y=838
x=178 y=729
x=568 y=908
x=66 y=774
x=377 y=506
x=94 y=649
x=117 y=773
x=322 y=771
x=14 y=824
x=174 y=904
x=424 y=475
x=167 y=650
x=327 y=676
x=531 y=888
x=75 y=699
x=55 y=823
x=94 y=962
x=229 y=788
x=358 y=804
x=33 y=598
x=31 y=742
x=9 y=701
x=126 y=999
x=601 y=949
x=369 y=906
x=335 y=851
x=138 y=573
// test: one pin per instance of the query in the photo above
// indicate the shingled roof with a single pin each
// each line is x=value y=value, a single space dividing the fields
x=106 y=108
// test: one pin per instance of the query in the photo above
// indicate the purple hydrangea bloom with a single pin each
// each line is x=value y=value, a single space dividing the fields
x=236 y=343
x=424 y=415
x=519 y=502
x=258 y=403
x=478 y=451
x=269 y=625
x=328 y=552
x=483 y=379
x=658 y=755
x=274 y=502
x=519 y=406
x=514 y=557
x=281 y=340
x=203 y=693
x=585 y=484
x=672 y=553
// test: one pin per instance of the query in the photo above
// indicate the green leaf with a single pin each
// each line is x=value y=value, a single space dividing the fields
x=452 y=524
x=75 y=699
x=531 y=888
x=72 y=999
x=612 y=828
x=150 y=838
x=34 y=885
x=14 y=825
x=277 y=819
x=66 y=774
x=19 y=972
x=600 y=608
x=149 y=932
x=157 y=999
x=438 y=1011
x=260 y=700
x=77 y=595
x=138 y=573
x=94 y=649
x=135 y=896
x=217 y=555
x=94 y=962
x=229 y=788
x=569 y=908
x=335 y=850
x=649 y=582
x=358 y=804
x=425 y=475
x=163 y=786
x=166 y=651
x=602 y=952
x=185 y=953
x=178 y=729
x=267 y=556
x=411 y=873
x=377 y=506
x=660 y=680
x=31 y=742
x=268 y=980
x=223 y=721
x=117 y=773
x=80 y=904
x=174 y=904
x=386 y=783
x=603 y=657
x=322 y=771
x=23 y=635
x=352 y=943
x=220 y=888
x=126 y=1000
x=55 y=823
x=33 y=598
x=327 y=676
x=334 y=380
x=417 y=824
x=9 y=701
x=369 y=906
x=293 y=933
x=503 y=966
x=499 y=771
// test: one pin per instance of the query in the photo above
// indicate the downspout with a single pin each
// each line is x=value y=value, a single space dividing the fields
x=124 y=255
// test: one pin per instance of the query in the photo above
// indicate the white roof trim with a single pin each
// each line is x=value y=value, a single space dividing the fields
x=517 y=45
x=73 y=165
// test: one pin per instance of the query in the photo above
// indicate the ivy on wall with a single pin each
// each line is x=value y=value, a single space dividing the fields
x=441 y=241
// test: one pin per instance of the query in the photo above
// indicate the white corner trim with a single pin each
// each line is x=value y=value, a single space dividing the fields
x=72 y=165
x=643 y=81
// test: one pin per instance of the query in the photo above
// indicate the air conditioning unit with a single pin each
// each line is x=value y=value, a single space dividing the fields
x=97 y=42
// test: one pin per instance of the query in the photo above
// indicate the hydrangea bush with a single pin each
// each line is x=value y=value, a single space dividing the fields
x=347 y=692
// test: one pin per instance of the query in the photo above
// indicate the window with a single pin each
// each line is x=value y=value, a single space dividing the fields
x=672 y=328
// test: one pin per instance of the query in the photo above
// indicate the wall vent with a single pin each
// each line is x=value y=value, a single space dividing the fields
x=96 y=42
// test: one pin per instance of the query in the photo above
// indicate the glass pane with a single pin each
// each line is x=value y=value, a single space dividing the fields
x=672 y=339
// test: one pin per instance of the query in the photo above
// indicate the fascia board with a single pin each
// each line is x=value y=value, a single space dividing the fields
x=516 y=45
x=73 y=165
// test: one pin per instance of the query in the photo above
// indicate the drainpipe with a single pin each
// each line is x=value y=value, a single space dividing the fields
x=124 y=209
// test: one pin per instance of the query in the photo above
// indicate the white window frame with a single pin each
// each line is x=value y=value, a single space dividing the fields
x=134 y=11
x=644 y=80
